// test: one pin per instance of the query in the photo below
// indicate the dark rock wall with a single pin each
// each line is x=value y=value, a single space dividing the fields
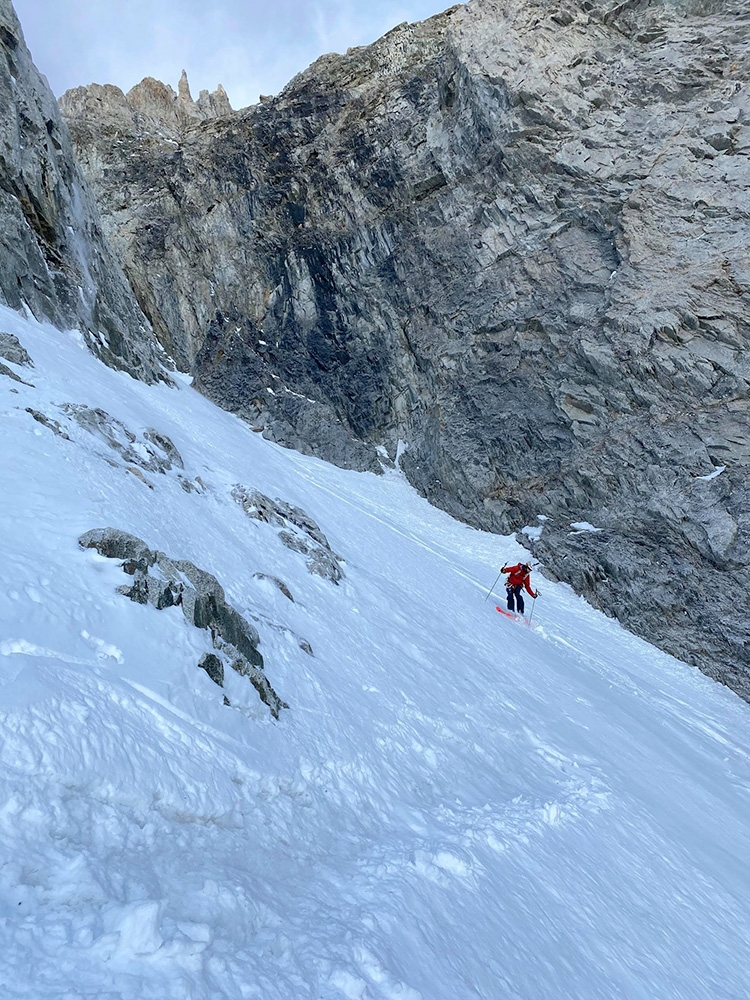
x=53 y=257
x=514 y=236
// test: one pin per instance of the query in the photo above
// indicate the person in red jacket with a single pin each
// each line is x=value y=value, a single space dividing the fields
x=519 y=577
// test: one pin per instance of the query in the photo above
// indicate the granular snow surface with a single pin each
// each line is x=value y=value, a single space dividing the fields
x=454 y=805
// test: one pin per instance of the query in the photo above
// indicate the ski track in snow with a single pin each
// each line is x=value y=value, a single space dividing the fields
x=454 y=806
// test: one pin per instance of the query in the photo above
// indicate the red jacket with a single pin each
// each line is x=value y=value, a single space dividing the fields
x=519 y=577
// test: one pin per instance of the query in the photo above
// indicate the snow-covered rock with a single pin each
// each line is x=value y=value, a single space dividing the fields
x=169 y=583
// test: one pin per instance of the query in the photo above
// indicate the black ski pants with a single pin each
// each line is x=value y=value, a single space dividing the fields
x=514 y=594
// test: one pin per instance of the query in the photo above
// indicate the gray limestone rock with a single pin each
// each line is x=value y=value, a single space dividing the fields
x=9 y=373
x=154 y=453
x=515 y=237
x=166 y=583
x=53 y=256
x=279 y=584
x=50 y=422
x=13 y=350
x=191 y=485
x=149 y=106
x=298 y=531
x=213 y=666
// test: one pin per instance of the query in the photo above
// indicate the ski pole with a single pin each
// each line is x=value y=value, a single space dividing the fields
x=532 y=611
x=493 y=585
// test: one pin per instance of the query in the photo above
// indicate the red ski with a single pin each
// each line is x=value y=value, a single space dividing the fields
x=514 y=617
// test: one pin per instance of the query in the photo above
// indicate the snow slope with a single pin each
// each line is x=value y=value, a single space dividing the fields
x=454 y=806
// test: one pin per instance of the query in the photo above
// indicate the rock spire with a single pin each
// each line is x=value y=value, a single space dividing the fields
x=149 y=107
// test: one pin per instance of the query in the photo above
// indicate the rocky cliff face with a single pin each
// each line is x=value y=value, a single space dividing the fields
x=53 y=257
x=515 y=237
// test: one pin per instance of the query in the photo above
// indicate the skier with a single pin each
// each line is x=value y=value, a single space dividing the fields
x=519 y=577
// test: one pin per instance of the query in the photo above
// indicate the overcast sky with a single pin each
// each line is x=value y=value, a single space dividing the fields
x=250 y=46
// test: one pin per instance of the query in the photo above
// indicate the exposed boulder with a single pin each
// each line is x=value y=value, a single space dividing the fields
x=145 y=451
x=278 y=584
x=214 y=667
x=50 y=422
x=9 y=373
x=166 y=583
x=154 y=452
x=13 y=350
x=298 y=531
